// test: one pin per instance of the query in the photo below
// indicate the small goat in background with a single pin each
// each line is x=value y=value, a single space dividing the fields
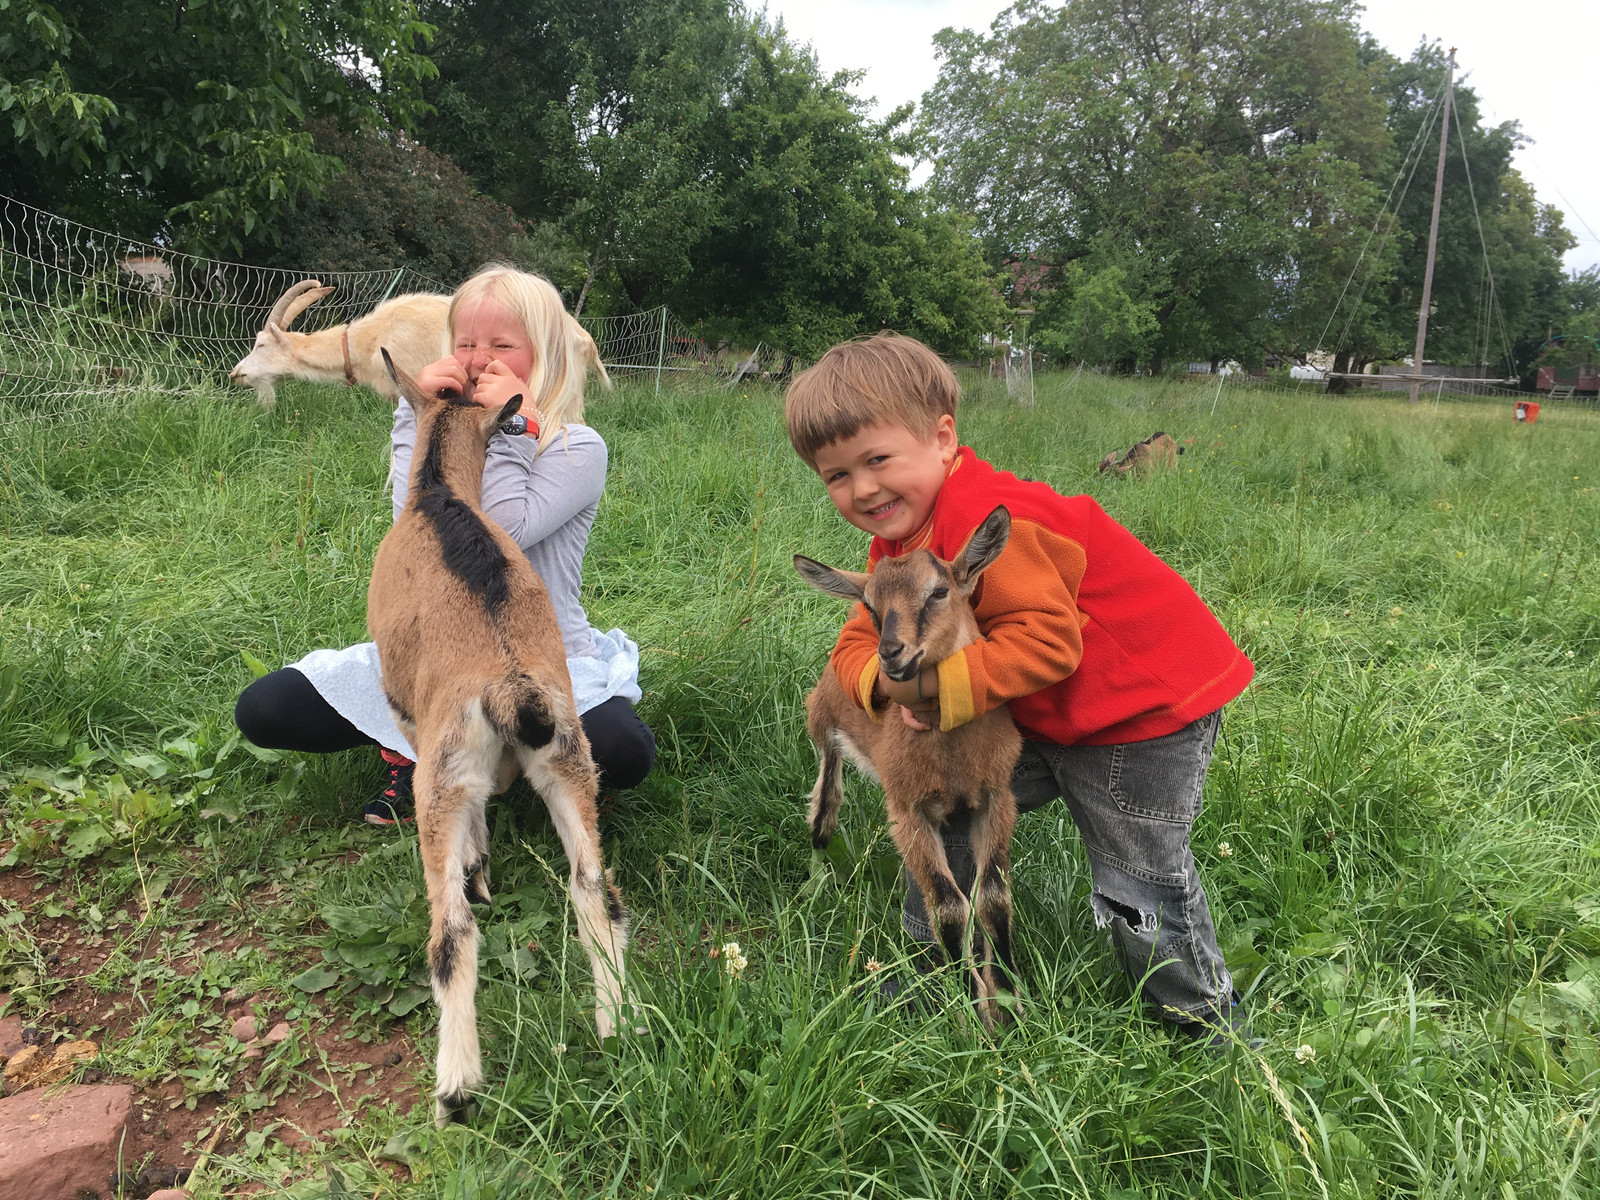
x=412 y=327
x=1155 y=452
x=920 y=605
x=476 y=672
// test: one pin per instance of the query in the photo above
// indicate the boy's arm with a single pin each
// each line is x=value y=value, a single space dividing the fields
x=1033 y=630
x=855 y=659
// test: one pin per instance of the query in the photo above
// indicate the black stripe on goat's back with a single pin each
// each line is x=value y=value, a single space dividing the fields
x=466 y=547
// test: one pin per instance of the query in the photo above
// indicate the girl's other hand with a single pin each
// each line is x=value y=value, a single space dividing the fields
x=496 y=384
x=445 y=378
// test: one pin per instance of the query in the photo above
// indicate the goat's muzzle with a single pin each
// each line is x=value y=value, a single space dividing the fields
x=889 y=658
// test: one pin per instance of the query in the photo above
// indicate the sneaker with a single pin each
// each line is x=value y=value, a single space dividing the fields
x=394 y=803
x=1216 y=1034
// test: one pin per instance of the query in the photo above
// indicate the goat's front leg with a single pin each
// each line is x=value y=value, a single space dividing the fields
x=565 y=777
x=922 y=850
x=992 y=827
x=450 y=795
x=827 y=793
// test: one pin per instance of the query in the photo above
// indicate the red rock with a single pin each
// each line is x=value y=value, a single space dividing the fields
x=60 y=1144
x=278 y=1033
x=10 y=1037
x=244 y=1029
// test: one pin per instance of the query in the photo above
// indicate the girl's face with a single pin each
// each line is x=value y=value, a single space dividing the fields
x=489 y=332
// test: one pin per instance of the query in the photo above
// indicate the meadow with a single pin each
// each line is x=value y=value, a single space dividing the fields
x=1401 y=833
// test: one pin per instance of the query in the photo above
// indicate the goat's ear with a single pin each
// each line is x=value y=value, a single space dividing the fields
x=1108 y=462
x=982 y=549
x=277 y=334
x=847 y=585
x=492 y=423
x=406 y=383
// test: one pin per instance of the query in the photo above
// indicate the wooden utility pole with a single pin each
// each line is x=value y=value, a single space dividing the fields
x=1433 y=229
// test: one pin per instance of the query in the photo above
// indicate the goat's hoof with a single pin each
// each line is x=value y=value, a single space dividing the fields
x=455 y=1109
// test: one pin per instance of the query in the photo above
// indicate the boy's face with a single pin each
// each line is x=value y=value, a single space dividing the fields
x=885 y=478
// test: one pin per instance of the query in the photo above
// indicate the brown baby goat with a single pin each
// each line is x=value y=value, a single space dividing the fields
x=920 y=605
x=1156 y=452
x=476 y=673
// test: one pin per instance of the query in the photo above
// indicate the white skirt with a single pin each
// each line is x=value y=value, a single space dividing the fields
x=352 y=682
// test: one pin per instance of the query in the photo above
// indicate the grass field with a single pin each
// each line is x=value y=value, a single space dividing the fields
x=1401 y=837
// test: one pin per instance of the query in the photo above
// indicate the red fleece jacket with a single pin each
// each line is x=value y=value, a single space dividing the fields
x=1087 y=635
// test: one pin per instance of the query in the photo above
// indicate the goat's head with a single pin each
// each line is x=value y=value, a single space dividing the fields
x=457 y=409
x=918 y=602
x=272 y=357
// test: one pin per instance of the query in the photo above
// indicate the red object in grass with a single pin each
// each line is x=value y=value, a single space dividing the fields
x=1528 y=410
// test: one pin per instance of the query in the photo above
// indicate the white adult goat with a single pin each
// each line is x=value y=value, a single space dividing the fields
x=413 y=327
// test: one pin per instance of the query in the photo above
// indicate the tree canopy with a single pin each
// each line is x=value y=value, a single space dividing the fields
x=189 y=120
x=696 y=157
x=1169 y=179
x=1152 y=180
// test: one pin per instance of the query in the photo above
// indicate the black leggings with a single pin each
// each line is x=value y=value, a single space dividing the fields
x=283 y=711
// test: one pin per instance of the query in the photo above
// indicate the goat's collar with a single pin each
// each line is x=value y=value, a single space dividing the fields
x=349 y=370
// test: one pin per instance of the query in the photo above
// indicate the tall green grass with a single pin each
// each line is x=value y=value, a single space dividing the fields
x=1401 y=837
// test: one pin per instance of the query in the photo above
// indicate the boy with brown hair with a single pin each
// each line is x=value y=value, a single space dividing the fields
x=1114 y=670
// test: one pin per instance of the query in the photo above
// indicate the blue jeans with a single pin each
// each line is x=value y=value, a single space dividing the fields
x=1134 y=805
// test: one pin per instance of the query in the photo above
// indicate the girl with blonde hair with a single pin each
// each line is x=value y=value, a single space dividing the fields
x=511 y=335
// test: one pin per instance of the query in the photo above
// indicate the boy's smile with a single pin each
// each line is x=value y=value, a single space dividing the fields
x=884 y=479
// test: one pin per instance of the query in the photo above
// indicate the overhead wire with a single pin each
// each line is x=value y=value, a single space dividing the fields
x=1483 y=241
x=1414 y=158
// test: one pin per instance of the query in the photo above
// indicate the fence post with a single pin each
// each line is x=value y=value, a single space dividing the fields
x=393 y=283
x=661 y=350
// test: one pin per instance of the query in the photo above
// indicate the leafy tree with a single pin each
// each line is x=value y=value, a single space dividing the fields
x=188 y=120
x=815 y=236
x=697 y=158
x=587 y=116
x=1521 y=239
x=1572 y=335
x=399 y=204
x=1212 y=163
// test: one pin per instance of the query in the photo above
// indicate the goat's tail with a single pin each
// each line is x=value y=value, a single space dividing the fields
x=526 y=712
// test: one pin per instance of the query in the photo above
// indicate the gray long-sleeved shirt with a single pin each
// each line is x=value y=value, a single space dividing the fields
x=546 y=502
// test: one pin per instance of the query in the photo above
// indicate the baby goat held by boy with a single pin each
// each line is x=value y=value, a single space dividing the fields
x=919 y=604
x=475 y=670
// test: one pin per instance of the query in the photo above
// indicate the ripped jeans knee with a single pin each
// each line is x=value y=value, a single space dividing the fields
x=1165 y=942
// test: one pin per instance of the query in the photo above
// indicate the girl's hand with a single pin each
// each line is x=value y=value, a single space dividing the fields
x=496 y=384
x=446 y=377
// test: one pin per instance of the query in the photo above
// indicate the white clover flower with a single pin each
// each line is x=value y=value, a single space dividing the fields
x=733 y=960
x=1224 y=850
x=1306 y=1054
x=558 y=1049
x=873 y=966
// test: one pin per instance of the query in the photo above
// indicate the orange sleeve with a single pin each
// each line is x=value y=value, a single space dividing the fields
x=855 y=659
x=1032 y=630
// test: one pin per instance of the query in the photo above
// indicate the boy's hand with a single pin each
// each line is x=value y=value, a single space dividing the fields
x=446 y=377
x=918 y=698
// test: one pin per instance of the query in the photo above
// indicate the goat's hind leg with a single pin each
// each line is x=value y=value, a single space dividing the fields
x=992 y=828
x=452 y=783
x=565 y=776
x=922 y=849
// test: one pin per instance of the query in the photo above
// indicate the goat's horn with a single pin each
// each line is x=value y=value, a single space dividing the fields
x=280 y=315
x=306 y=299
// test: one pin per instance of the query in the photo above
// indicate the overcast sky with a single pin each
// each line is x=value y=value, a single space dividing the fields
x=1534 y=62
